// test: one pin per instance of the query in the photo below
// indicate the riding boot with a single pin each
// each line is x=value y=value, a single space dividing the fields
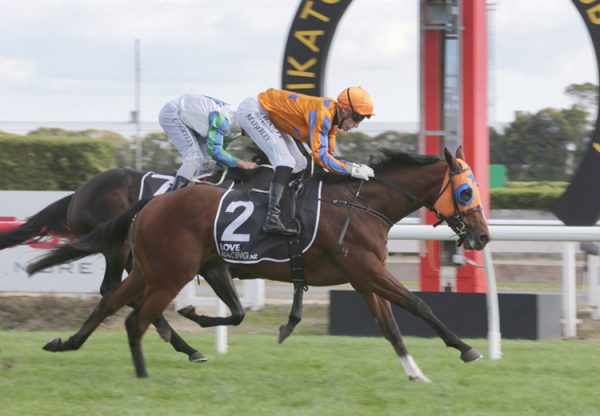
x=273 y=223
x=179 y=183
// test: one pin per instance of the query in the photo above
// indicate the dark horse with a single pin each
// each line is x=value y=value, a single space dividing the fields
x=101 y=199
x=184 y=222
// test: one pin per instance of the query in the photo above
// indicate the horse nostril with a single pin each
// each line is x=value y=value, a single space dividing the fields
x=484 y=239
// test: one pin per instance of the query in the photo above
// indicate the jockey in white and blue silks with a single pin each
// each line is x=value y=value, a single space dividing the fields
x=200 y=128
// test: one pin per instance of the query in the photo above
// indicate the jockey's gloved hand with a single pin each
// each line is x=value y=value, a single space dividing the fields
x=361 y=171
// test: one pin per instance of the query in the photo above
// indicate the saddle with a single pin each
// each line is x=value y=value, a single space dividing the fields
x=154 y=184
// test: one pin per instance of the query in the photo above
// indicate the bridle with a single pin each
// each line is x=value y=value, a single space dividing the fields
x=449 y=191
x=465 y=200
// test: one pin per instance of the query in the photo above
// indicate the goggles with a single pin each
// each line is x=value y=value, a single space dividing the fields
x=357 y=118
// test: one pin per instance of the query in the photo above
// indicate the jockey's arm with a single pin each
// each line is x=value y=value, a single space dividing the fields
x=322 y=139
x=215 y=145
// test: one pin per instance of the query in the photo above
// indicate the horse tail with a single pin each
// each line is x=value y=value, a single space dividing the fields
x=64 y=253
x=112 y=232
x=99 y=240
x=52 y=219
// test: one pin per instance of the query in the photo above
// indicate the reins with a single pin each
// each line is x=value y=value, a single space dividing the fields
x=383 y=217
x=363 y=208
x=455 y=220
x=413 y=198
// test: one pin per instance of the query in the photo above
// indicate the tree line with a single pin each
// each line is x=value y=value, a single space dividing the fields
x=547 y=145
x=543 y=146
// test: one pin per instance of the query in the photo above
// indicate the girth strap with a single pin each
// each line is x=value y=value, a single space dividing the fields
x=296 y=260
x=294 y=242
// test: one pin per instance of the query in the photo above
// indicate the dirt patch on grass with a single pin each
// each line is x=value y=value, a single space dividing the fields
x=62 y=313
x=588 y=329
x=34 y=313
x=58 y=313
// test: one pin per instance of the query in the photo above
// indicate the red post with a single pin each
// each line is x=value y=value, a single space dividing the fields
x=432 y=114
x=475 y=130
x=475 y=124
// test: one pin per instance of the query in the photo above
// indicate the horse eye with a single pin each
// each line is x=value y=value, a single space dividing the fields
x=466 y=195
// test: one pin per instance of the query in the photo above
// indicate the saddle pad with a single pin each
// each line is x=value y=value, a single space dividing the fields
x=238 y=227
x=155 y=184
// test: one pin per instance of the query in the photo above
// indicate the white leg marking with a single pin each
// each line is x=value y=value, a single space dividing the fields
x=412 y=370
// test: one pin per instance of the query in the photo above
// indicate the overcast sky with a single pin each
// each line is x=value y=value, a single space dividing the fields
x=68 y=60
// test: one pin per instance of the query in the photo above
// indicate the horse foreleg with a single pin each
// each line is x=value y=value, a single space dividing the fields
x=380 y=281
x=415 y=305
x=128 y=290
x=221 y=282
x=382 y=312
x=418 y=307
x=295 y=314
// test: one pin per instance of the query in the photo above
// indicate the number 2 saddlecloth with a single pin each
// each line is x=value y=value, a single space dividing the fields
x=238 y=226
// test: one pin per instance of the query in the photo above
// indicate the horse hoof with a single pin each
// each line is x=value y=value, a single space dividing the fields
x=52 y=345
x=421 y=378
x=284 y=332
x=187 y=311
x=197 y=357
x=471 y=355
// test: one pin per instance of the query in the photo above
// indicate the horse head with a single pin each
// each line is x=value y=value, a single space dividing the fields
x=459 y=203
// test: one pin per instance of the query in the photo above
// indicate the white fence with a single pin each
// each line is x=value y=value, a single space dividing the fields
x=567 y=235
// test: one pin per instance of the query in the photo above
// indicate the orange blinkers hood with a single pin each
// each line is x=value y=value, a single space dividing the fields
x=445 y=203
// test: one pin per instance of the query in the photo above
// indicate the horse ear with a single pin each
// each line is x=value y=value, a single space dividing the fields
x=459 y=153
x=450 y=160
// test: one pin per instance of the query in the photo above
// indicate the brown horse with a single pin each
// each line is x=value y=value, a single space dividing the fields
x=100 y=199
x=105 y=197
x=182 y=222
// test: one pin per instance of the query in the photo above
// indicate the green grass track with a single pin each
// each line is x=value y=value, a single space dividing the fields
x=307 y=375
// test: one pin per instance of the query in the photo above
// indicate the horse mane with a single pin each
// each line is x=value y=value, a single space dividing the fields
x=395 y=158
x=387 y=159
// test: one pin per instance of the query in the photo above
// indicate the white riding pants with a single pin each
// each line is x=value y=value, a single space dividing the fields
x=280 y=148
x=192 y=148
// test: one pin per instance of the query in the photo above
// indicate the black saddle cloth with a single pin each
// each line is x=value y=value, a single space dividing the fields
x=154 y=184
x=238 y=226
